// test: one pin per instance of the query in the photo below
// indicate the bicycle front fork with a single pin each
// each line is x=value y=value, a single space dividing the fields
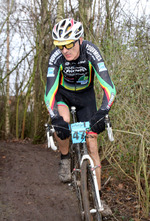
x=87 y=157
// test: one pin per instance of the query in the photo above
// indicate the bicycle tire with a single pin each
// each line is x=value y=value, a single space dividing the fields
x=76 y=175
x=89 y=198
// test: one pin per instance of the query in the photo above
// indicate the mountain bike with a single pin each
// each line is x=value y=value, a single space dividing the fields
x=83 y=172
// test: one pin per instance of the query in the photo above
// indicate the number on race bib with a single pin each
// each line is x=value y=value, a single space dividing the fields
x=75 y=135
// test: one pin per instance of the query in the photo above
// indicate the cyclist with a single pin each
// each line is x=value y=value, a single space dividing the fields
x=70 y=82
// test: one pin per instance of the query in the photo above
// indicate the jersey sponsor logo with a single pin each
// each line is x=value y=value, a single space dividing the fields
x=94 y=52
x=102 y=67
x=74 y=70
x=82 y=62
x=83 y=80
x=77 y=75
x=57 y=54
x=50 y=72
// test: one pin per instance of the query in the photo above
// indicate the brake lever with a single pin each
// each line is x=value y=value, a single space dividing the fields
x=50 y=140
x=109 y=128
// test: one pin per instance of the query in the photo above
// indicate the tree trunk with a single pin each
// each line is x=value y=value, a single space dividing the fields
x=43 y=49
x=86 y=17
x=7 y=123
x=60 y=11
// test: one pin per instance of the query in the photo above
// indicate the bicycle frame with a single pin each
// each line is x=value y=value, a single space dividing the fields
x=86 y=156
x=82 y=155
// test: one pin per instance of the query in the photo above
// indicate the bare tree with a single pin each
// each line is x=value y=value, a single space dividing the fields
x=43 y=48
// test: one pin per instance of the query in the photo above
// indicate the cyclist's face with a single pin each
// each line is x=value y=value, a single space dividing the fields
x=73 y=53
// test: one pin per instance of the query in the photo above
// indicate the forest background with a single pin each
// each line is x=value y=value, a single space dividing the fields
x=123 y=38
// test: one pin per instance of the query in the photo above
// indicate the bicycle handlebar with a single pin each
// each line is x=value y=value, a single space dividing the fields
x=50 y=130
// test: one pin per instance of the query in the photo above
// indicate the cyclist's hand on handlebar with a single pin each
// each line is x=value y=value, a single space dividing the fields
x=61 y=127
x=97 y=122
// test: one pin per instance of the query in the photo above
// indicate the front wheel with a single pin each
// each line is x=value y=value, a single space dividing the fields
x=76 y=175
x=89 y=198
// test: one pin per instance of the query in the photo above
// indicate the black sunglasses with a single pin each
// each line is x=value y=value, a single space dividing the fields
x=68 y=46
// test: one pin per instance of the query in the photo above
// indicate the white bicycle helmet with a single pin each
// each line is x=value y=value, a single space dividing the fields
x=67 y=30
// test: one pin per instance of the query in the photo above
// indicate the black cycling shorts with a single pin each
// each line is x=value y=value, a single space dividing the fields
x=84 y=102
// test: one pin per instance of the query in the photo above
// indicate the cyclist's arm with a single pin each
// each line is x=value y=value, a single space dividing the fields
x=102 y=74
x=107 y=86
x=53 y=74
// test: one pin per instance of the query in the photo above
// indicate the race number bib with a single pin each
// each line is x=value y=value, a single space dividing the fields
x=78 y=131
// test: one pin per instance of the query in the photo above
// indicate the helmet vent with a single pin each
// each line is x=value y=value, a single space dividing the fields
x=77 y=36
x=67 y=35
x=80 y=28
x=60 y=32
x=57 y=28
x=68 y=27
x=54 y=35
x=63 y=23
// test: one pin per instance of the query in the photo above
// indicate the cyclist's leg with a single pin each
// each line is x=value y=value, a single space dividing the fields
x=93 y=150
x=63 y=144
x=65 y=161
x=63 y=109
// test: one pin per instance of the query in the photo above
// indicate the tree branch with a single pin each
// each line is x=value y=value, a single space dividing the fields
x=1 y=80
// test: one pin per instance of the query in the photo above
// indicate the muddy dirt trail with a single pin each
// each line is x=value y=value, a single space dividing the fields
x=29 y=185
x=31 y=191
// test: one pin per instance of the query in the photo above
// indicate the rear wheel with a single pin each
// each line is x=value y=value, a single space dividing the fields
x=90 y=203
